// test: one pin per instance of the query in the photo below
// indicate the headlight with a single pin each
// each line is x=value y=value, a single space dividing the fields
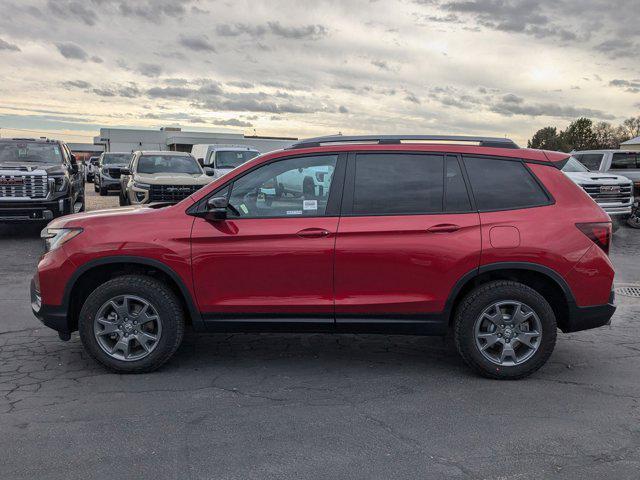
x=105 y=171
x=143 y=186
x=61 y=183
x=56 y=237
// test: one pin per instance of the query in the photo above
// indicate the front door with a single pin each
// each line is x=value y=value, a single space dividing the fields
x=272 y=259
x=408 y=233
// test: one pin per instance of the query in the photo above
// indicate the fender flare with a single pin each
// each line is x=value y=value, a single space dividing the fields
x=194 y=312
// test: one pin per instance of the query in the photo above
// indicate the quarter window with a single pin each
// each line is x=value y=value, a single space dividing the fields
x=296 y=187
x=456 y=197
x=503 y=184
x=387 y=184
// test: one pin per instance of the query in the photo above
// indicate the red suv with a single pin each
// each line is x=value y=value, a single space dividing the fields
x=406 y=235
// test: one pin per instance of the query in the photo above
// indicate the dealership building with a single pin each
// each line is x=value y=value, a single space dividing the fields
x=173 y=138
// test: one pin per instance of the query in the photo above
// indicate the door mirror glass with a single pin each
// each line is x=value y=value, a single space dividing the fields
x=209 y=171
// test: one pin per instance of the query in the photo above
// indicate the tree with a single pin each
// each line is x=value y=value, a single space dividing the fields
x=545 y=139
x=606 y=135
x=631 y=127
x=578 y=135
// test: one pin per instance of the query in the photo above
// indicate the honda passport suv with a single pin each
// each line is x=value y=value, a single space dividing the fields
x=161 y=177
x=471 y=235
x=39 y=180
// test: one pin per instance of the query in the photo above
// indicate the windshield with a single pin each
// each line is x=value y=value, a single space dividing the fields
x=233 y=159
x=116 y=158
x=30 y=152
x=574 y=165
x=168 y=164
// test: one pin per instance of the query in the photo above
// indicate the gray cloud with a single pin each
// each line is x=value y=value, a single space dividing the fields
x=72 y=51
x=232 y=122
x=616 y=48
x=150 y=69
x=76 y=84
x=152 y=10
x=4 y=45
x=197 y=43
x=632 y=86
x=75 y=9
x=170 y=92
x=343 y=109
x=305 y=32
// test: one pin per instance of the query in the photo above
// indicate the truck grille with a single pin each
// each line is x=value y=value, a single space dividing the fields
x=23 y=186
x=603 y=194
x=114 y=172
x=171 y=193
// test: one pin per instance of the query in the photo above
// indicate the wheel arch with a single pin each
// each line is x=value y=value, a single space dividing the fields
x=95 y=272
x=544 y=280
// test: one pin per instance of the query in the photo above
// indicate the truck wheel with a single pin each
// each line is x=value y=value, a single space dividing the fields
x=121 y=200
x=634 y=219
x=131 y=324
x=505 y=330
x=95 y=187
x=102 y=191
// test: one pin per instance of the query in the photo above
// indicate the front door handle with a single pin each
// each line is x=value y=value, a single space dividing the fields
x=444 y=228
x=313 y=233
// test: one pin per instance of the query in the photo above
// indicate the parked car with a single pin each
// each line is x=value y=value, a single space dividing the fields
x=161 y=177
x=223 y=158
x=614 y=193
x=39 y=180
x=107 y=176
x=489 y=241
x=621 y=162
x=92 y=168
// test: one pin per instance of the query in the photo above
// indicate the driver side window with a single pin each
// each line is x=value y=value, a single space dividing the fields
x=296 y=187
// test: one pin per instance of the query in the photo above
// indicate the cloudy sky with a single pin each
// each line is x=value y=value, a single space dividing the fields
x=303 y=68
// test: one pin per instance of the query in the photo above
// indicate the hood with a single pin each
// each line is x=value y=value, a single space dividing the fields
x=79 y=219
x=173 y=178
x=596 y=177
x=33 y=168
x=115 y=165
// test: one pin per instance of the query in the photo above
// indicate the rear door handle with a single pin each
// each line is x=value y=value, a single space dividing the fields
x=444 y=228
x=313 y=233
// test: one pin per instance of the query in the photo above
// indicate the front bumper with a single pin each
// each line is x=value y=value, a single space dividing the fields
x=109 y=183
x=585 y=318
x=618 y=211
x=54 y=317
x=33 y=211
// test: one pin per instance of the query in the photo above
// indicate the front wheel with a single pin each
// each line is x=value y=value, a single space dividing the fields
x=634 y=219
x=131 y=324
x=505 y=330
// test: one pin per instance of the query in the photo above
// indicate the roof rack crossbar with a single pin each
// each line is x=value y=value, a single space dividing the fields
x=496 y=142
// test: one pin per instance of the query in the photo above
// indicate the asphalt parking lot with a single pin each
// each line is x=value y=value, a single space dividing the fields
x=313 y=406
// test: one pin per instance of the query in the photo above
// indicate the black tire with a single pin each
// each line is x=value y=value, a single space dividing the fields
x=83 y=205
x=164 y=301
x=95 y=187
x=103 y=191
x=633 y=220
x=121 y=200
x=472 y=306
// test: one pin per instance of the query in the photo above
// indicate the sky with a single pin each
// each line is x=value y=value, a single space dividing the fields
x=306 y=68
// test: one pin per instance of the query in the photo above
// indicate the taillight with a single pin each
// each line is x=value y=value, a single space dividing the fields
x=598 y=232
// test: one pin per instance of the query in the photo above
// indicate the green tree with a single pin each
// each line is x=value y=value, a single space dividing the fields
x=606 y=135
x=545 y=139
x=631 y=127
x=578 y=135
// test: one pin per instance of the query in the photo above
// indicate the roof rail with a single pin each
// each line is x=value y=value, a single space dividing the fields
x=496 y=142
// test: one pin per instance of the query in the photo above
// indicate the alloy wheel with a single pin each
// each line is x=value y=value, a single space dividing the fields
x=127 y=327
x=508 y=333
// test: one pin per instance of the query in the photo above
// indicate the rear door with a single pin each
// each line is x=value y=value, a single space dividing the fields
x=407 y=234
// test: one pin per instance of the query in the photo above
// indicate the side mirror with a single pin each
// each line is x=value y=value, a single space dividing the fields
x=125 y=171
x=209 y=171
x=201 y=161
x=217 y=208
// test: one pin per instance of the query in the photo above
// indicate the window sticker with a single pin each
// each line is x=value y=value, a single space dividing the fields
x=22 y=152
x=294 y=212
x=244 y=209
x=310 y=205
x=56 y=151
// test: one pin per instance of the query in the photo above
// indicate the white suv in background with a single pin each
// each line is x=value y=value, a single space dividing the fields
x=617 y=162
x=614 y=193
x=223 y=158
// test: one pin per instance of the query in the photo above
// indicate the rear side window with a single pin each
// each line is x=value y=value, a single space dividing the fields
x=388 y=184
x=590 y=160
x=622 y=161
x=503 y=184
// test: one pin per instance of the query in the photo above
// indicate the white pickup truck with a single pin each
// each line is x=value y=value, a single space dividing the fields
x=614 y=193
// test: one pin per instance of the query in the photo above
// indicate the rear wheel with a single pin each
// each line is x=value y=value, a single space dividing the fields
x=634 y=219
x=131 y=324
x=505 y=330
x=103 y=191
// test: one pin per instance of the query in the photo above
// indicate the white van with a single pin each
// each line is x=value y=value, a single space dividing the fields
x=222 y=158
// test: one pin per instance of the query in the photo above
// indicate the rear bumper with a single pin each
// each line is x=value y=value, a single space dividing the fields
x=585 y=318
x=33 y=211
